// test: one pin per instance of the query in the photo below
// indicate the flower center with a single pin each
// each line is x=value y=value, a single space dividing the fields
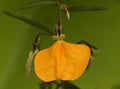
x=58 y=37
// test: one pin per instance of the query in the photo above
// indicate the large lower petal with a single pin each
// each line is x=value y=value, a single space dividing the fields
x=62 y=61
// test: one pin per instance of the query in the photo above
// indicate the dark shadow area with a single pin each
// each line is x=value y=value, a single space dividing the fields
x=58 y=85
x=117 y=86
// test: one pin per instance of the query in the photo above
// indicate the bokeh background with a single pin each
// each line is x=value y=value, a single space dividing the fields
x=101 y=28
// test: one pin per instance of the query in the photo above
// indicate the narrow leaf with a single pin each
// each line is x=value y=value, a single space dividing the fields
x=86 y=8
x=38 y=4
x=30 y=22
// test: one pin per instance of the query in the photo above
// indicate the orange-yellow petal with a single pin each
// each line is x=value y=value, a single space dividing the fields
x=62 y=61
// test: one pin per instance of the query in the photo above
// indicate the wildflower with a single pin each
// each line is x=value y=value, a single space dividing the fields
x=61 y=61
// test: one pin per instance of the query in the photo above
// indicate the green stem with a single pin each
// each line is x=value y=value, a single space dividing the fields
x=58 y=8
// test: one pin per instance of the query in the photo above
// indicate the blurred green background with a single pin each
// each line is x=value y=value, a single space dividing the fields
x=101 y=28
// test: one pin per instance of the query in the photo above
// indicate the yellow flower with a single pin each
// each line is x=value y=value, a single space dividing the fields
x=62 y=61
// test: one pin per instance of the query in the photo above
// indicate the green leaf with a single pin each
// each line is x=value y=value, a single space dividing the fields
x=86 y=8
x=30 y=22
x=38 y=4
